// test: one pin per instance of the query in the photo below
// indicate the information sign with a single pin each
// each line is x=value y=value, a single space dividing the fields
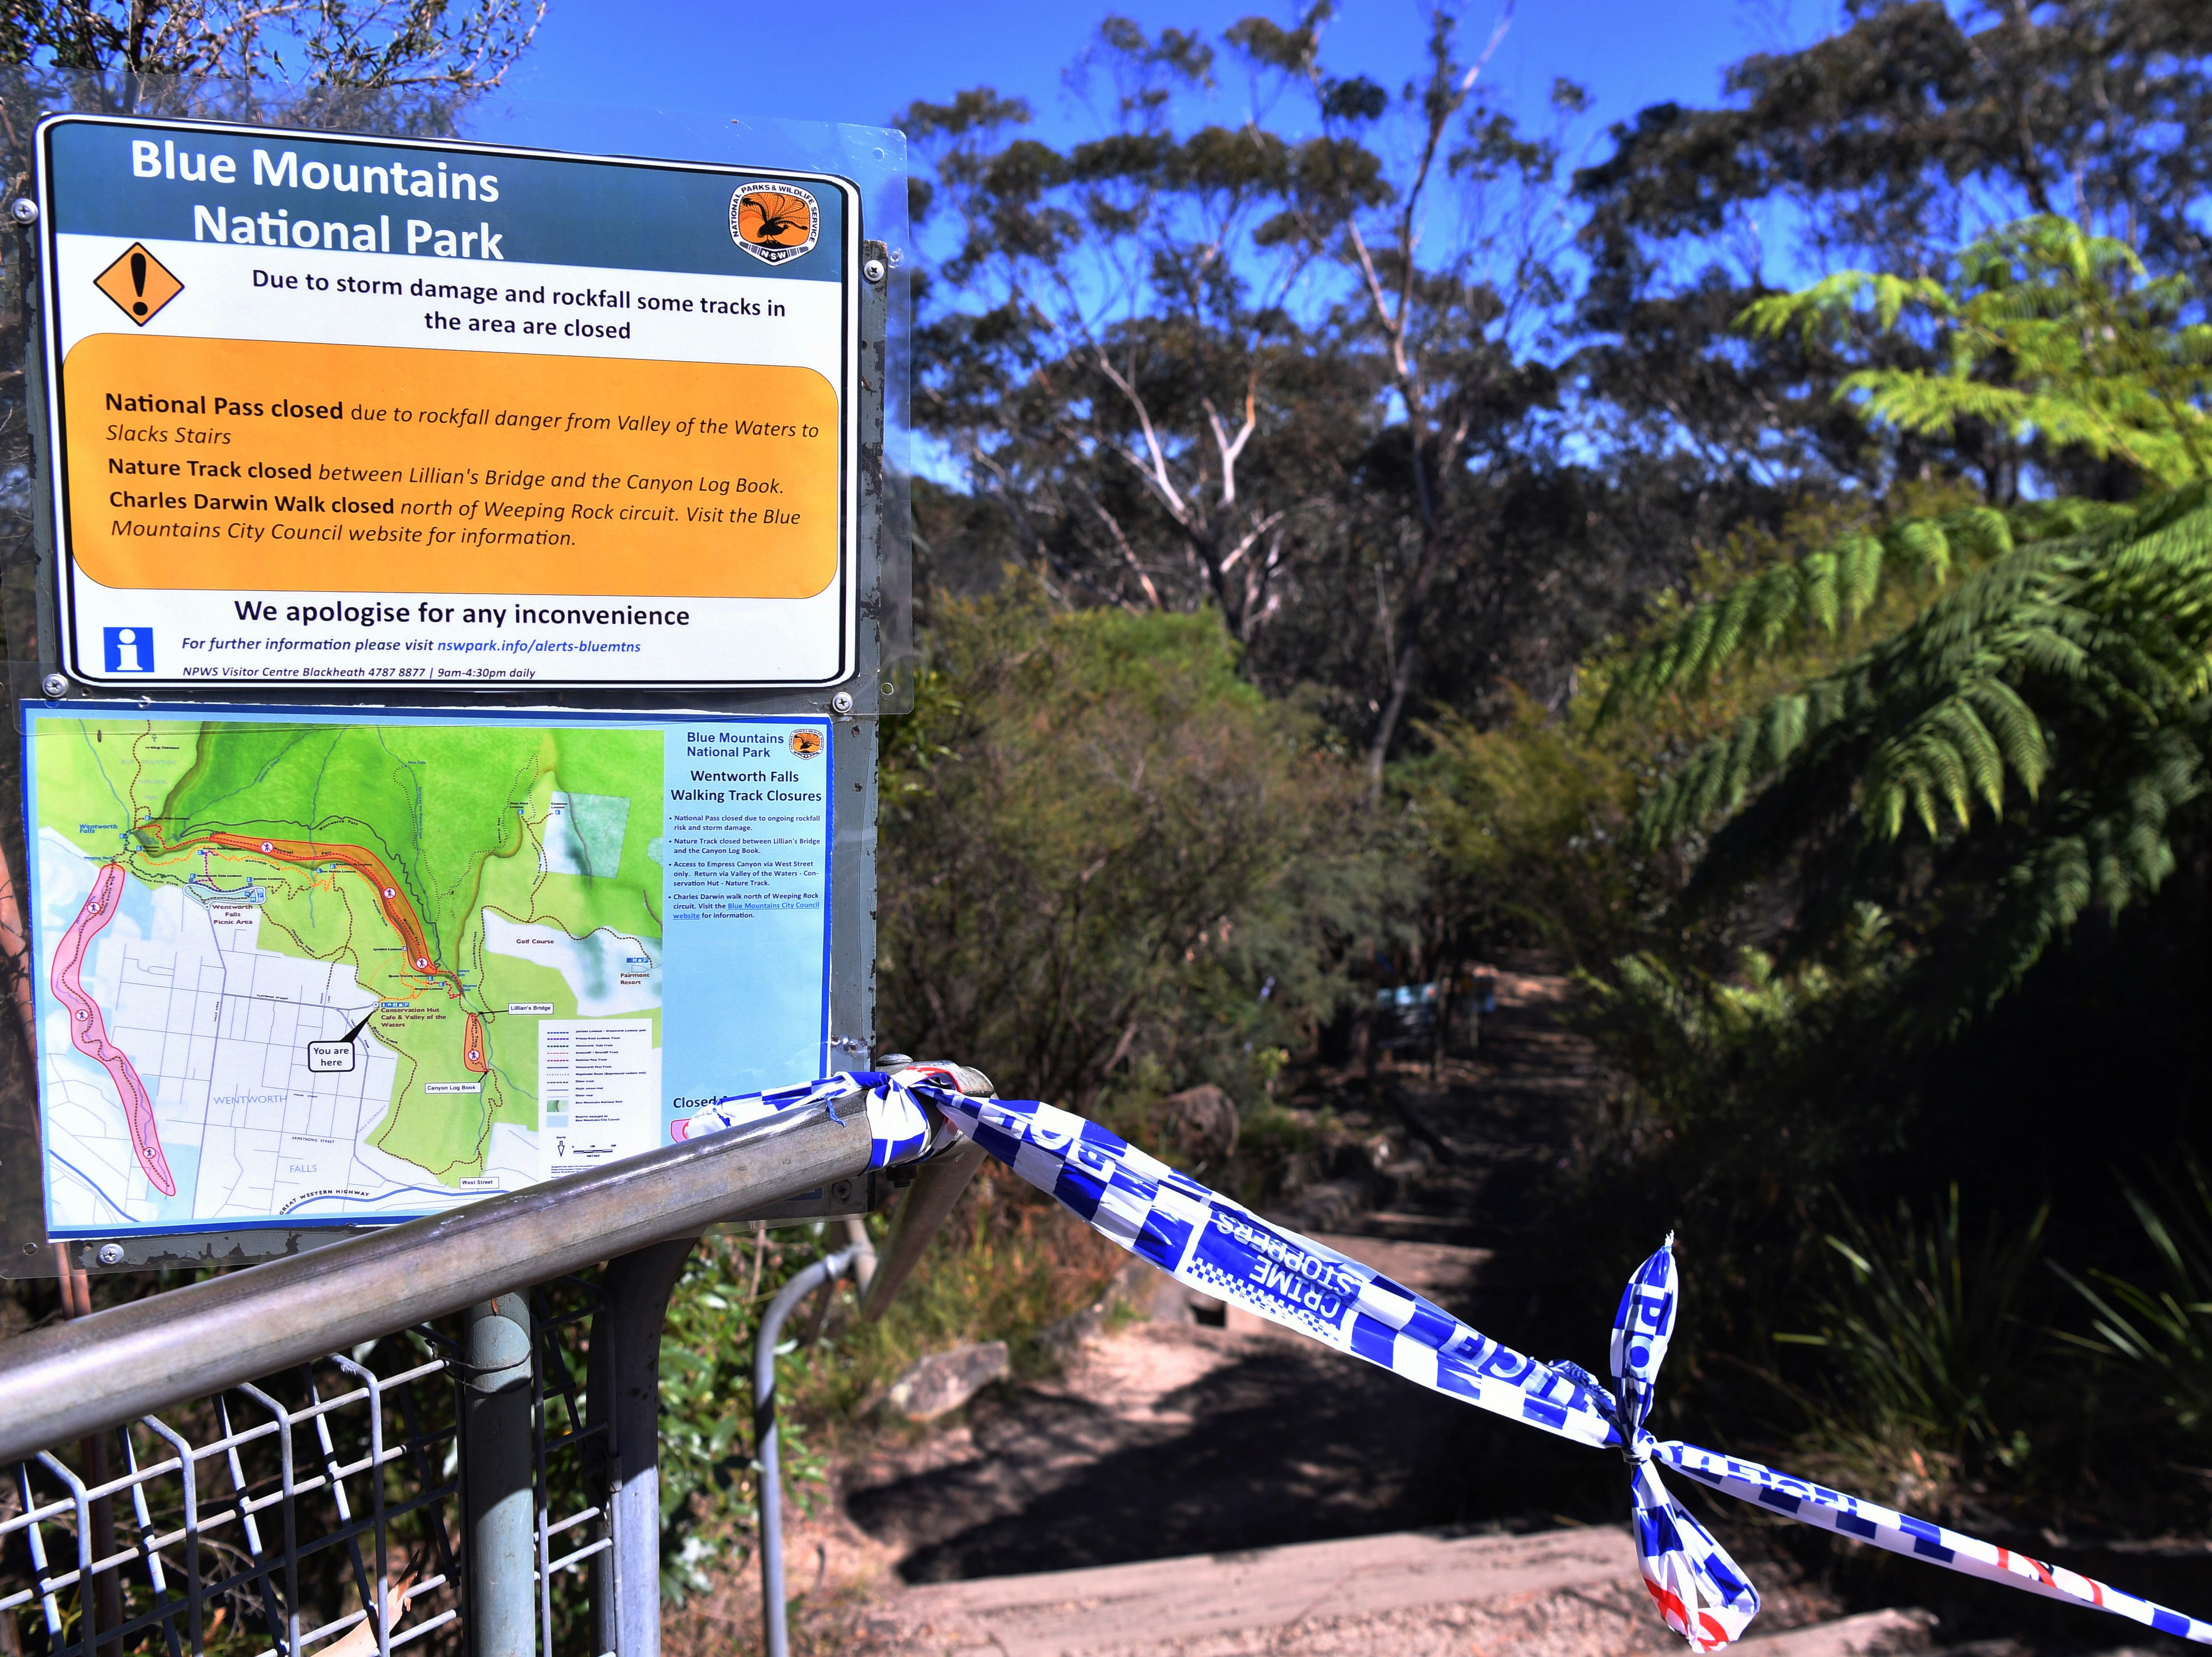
x=328 y=409
x=293 y=969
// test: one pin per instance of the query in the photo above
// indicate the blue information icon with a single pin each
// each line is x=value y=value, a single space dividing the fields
x=128 y=649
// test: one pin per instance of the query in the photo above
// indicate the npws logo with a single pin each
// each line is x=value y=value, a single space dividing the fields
x=775 y=222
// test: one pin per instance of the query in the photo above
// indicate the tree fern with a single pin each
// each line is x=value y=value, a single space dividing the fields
x=2047 y=332
x=2013 y=755
x=2053 y=705
x=1829 y=589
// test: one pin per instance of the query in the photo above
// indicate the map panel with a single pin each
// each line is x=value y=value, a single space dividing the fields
x=293 y=968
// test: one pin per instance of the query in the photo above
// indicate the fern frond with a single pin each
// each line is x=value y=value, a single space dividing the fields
x=2073 y=656
x=1946 y=757
x=1930 y=404
x=1715 y=781
x=2017 y=732
x=1833 y=301
x=1826 y=589
x=1920 y=544
x=1984 y=530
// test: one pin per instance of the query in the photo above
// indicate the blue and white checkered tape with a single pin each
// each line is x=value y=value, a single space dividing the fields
x=1641 y=1329
x=899 y=1129
x=1210 y=1243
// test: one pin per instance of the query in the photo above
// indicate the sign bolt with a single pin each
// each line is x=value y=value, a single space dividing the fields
x=111 y=1253
x=54 y=686
x=23 y=210
x=841 y=703
x=874 y=270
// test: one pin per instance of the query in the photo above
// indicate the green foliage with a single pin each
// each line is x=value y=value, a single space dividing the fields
x=1006 y=1265
x=2016 y=755
x=1827 y=588
x=1923 y=1337
x=1099 y=844
x=1698 y=1144
x=1524 y=821
x=2162 y=1334
x=1969 y=729
x=708 y=1489
x=1747 y=1088
x=2047 y=332
x=1693 y=1038
x=2060 y=690
x=1281 y=368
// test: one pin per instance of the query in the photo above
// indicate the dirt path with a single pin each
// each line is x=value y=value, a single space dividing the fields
x=1197 y=1485
x=1174 y=1437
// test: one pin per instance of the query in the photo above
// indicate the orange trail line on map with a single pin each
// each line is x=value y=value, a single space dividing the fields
x=389 y=896
x=394 y=901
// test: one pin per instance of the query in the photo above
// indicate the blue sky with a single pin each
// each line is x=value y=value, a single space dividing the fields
x=861 y=60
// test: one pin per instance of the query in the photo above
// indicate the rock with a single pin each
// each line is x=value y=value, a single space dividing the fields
x=1135 y=1285
x=1059 y=1341
x=1201 y=1122
x=945 y=1380
x=1327 y=1205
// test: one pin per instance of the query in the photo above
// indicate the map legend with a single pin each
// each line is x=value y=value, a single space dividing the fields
x=602 y=1091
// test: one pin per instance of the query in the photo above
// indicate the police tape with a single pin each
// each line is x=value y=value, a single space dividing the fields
x=1205 y=1241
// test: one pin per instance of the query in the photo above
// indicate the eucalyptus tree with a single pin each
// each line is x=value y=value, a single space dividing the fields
x=418 y=46
x=1884 y=144
x=1442 y=302
x=1122 y=372
x=1284 y=367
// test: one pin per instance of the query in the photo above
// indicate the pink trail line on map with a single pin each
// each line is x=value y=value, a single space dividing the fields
x=88 y=1029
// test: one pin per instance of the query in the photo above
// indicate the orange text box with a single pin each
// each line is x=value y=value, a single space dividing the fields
x=388 y=469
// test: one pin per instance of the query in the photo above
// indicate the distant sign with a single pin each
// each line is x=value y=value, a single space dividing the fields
x=329 y=410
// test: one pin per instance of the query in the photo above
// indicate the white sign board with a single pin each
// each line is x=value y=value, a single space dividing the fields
x=334 y=410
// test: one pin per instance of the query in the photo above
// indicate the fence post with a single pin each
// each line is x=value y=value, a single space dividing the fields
x=498 y=1514
x=624 y=1396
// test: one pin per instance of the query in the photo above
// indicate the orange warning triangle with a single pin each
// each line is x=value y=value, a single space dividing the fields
x=139 y=283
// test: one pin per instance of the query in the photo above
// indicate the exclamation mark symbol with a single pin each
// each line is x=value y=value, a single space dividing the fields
x=138 y=283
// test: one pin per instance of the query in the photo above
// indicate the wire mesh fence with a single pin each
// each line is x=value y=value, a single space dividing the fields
x=317 y=1513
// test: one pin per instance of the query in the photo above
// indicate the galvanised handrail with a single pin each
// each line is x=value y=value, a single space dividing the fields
x=60 y=1383
x=774 y=1633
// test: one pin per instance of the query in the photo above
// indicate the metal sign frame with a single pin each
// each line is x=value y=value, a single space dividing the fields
x=533 y=200
x=879 y=680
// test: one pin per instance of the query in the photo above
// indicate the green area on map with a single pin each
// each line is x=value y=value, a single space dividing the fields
x=546 y=829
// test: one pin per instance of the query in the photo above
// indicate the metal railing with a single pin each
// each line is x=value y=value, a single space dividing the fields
x=293 y=1459
x=935 y=1186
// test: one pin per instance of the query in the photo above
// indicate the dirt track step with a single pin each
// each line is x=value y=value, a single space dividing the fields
x=1562 y=1593
x=1175 y=1601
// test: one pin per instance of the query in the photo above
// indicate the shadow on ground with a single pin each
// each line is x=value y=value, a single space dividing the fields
x=1271 y=1439
x=1279 y=1444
